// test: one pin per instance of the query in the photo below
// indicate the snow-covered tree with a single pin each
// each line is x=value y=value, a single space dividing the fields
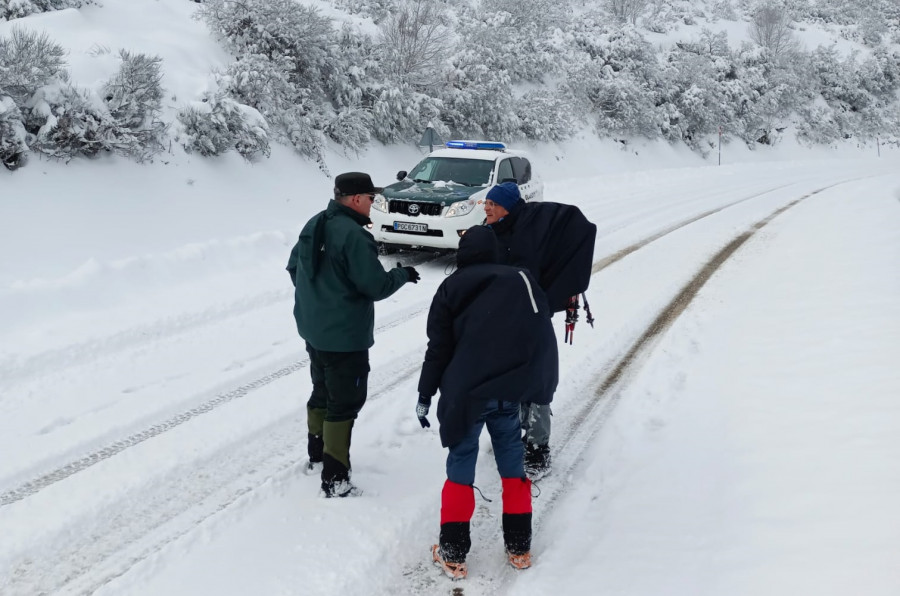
x=627 y=11
x=415 y=43
x=770 y=28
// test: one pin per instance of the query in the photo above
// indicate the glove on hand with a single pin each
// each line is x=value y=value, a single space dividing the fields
x=422 y=410
x=411 y=272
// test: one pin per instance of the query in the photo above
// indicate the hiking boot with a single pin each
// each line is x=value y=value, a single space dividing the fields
x=537 y=461
x=453 y=570
x=522 y=561
x=343 y=488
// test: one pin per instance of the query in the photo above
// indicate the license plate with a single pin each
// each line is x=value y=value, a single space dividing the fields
x=405 y=226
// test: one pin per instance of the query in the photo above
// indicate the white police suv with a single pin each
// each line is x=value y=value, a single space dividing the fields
x=443 y=196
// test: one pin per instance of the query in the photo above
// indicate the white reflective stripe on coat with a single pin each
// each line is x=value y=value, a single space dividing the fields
x=530 y=292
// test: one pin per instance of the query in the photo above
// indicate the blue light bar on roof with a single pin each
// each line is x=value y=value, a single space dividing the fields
x=491 y=145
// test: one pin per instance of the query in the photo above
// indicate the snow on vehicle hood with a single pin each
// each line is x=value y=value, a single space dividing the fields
x=439 y=191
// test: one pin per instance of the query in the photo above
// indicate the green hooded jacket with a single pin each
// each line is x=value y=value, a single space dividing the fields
x=337 y=279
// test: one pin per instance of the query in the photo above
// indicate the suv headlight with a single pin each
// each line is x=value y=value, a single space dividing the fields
x=461 y=208
x=380 y=203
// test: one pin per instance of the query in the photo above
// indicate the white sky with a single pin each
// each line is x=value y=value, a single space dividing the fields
x=750 y=449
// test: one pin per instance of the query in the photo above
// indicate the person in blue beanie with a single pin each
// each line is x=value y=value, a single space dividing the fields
x=555 y=242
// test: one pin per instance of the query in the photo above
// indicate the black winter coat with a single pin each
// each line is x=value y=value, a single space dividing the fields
x=555 y=242
x=489 y=337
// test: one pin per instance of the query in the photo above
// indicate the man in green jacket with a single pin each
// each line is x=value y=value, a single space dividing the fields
x=337 y=279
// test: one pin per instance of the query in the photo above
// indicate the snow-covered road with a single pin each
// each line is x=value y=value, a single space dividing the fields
x=157 y=436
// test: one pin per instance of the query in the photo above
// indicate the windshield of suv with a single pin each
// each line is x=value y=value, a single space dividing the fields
x=469 y=172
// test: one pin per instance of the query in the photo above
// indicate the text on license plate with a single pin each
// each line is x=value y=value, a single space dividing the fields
x=405 y=226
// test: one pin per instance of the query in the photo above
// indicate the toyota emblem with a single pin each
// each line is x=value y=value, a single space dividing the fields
x=413 y=209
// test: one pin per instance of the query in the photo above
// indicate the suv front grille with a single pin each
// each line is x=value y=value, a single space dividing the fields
x=421 y=208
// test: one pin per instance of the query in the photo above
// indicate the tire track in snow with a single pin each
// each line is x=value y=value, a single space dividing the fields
x=77 y=465
x=148 y=518
x=94 y=457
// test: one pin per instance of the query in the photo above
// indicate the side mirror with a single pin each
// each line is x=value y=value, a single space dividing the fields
x=401 y=174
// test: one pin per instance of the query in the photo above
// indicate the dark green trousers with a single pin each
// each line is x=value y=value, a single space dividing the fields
x=340 y=384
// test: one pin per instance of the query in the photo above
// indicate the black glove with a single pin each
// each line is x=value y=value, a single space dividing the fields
x=411 y=272
x=422 y=408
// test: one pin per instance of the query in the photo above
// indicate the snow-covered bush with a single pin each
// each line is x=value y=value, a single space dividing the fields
x=12 y=135
x=765 y=96
x=14 y=9
x=28 y=61
x=546 y=115
x=521 y=38
x=263 y=84
x=353 y=72
x=134 y=94
x=377 y=10
x=350 y=128
x=219 y=124
x=299 y=128
x=72 y=122
x=294 y=35
x=400 y=114
x=614 y=75
x=478 y=100
x=134 y=99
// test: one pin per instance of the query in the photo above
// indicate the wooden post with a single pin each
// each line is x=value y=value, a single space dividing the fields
x=720 y=145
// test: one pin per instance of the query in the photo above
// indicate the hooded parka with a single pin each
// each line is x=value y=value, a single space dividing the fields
x=489 y=337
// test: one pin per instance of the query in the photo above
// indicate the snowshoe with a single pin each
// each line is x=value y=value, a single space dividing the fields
x=452 y=570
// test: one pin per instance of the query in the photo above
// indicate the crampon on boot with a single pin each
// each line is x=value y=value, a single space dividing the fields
x=450 y=569
x=522 y=561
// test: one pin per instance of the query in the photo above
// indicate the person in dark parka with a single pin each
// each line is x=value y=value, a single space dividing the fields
x=555 y=242
x=490 y=347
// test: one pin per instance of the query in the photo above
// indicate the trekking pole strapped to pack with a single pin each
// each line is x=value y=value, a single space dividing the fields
x=587 y=311
x=572 y=316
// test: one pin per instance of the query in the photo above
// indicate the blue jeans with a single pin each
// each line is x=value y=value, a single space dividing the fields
x=502 y=420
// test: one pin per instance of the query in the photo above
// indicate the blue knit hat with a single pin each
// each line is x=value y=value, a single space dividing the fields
x=506 y=195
